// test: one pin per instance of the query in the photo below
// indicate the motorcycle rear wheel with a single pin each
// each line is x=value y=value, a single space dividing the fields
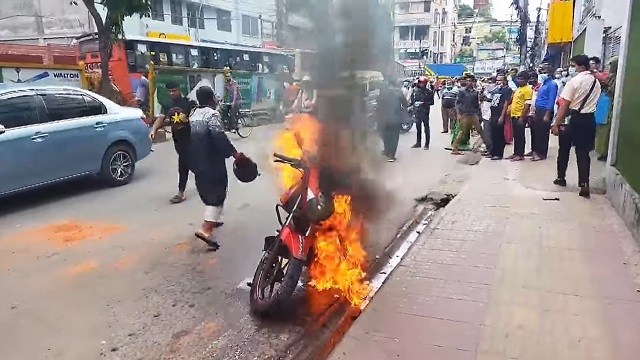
x=265 y=298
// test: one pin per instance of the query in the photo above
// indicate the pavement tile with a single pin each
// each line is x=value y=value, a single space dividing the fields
x=506 y=275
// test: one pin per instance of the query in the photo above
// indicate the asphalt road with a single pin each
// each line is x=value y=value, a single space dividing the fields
x=96 y=273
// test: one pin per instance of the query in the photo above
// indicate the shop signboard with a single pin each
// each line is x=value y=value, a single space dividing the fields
x=41 y=77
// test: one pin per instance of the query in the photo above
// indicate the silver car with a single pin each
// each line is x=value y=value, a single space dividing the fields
x=50 y=134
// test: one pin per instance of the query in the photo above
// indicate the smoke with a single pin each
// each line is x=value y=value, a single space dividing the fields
x=351 y=35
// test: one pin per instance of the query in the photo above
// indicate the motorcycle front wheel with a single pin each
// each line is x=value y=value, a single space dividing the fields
x=274 y=282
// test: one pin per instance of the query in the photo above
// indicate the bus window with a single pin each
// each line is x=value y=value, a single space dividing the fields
x=196 y=58
x=179 y=55
x=255 y=58
x=143 y=57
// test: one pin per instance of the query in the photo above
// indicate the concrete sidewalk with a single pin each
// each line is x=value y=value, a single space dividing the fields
x=504 y=274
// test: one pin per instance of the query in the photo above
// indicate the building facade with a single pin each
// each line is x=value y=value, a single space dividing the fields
x=623 y=172
x=597 y=27
x=246 y=22
x=423 y=30
x=40 y=22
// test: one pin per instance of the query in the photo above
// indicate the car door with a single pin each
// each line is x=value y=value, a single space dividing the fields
x=24 y=146
x=76 y=130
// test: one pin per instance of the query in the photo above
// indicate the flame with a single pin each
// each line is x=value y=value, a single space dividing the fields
x=339 y=259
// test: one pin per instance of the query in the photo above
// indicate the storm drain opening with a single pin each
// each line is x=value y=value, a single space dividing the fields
x=319 y=339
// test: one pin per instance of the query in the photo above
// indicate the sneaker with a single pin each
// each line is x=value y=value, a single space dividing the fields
x=416 y=146
x=560 y=182
x=391 y=159
x=584 y=192
x=494 y=158
x=426 y=147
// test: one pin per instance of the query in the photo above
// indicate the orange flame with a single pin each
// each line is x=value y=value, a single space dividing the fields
x=339 y=259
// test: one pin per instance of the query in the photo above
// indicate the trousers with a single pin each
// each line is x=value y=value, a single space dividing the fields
x=422 y=121
x=580 y=134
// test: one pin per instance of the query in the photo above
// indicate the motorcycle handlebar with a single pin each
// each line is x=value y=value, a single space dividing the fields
x=286 y=159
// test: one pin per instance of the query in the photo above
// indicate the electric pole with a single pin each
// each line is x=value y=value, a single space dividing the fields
x=524 y=27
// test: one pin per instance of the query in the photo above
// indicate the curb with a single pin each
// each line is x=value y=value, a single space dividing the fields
x=323 y=337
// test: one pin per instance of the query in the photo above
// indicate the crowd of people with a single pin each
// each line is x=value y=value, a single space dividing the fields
x=572 y=103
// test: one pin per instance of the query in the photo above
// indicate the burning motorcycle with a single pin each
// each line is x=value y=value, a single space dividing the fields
x=286 y=254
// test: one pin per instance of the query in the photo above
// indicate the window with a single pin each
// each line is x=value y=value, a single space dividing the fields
x=178 y=55
x=416 y=8
x=201 y=18
x=435 y=38
x=442 y=38
x=427 y=6
x=68 y=106
x=405 y=33
x=402 y=8
x=250 y=26
x=444 y=16
x=94 y=107
x=18 y=111
x=421 y=32
x=176 y=12
x=195 y=15
x=223 y=20
x=157 y=10
x=436 y=17
x=192 y=15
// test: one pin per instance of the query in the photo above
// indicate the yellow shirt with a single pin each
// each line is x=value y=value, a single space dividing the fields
x=520 y=98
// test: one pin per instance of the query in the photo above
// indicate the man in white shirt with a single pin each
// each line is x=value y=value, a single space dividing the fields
x=575 y=124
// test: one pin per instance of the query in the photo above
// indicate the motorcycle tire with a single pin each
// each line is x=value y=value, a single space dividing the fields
x=282 y=295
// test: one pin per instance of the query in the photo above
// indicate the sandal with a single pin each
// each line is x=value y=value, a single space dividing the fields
x=177 y=199
x=208 y=240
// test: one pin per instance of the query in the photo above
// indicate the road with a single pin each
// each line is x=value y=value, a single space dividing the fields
x=96 y=273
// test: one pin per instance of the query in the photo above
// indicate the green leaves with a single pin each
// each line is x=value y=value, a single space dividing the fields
x=116 y=12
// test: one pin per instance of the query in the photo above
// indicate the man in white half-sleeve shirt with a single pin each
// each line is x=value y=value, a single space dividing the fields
x=576 y=124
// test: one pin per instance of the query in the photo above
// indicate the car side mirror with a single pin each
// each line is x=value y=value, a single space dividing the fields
x=2 y=129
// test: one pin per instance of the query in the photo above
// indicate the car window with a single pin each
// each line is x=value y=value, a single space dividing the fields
x=94 y=107
x=18 y=111
x=68 y=106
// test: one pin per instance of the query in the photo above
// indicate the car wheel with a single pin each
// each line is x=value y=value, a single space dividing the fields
x=118 y=165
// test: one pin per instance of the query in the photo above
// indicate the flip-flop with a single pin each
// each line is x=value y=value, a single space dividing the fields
x=177 y=199
x=212 y=243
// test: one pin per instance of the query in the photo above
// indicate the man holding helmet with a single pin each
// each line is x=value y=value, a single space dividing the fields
x=421 y=101
x=210 y=147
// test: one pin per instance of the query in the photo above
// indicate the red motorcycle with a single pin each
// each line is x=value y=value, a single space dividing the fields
x=291 y=249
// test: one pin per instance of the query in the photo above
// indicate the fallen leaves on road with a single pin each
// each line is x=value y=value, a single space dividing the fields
x=68 y=233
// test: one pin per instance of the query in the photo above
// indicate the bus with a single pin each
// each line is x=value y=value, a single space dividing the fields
x=131 y=56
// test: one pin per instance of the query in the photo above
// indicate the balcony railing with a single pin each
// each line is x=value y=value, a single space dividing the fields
x=412 y=44
x=413 y=19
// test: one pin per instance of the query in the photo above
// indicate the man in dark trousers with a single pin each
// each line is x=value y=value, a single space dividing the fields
x=390 y=109
x=421 y=101
x=544 y=107
x=176 y=115
x=575 y=124
x=499 y=98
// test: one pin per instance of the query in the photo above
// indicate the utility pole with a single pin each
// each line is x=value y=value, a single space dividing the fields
x=524 y=27
x=281 y=20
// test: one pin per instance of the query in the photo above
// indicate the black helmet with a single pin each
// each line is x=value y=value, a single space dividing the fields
x=245 y=170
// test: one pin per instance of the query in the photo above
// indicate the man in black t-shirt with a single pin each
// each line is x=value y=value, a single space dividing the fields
x=500 y=97
x=176 y=115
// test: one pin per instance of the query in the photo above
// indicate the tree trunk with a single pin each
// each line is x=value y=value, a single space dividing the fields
x=105 y=56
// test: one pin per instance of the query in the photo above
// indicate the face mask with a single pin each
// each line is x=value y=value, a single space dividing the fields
x=572 y=71
x=558 y=76
x=565 y=74
x=543 y=77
